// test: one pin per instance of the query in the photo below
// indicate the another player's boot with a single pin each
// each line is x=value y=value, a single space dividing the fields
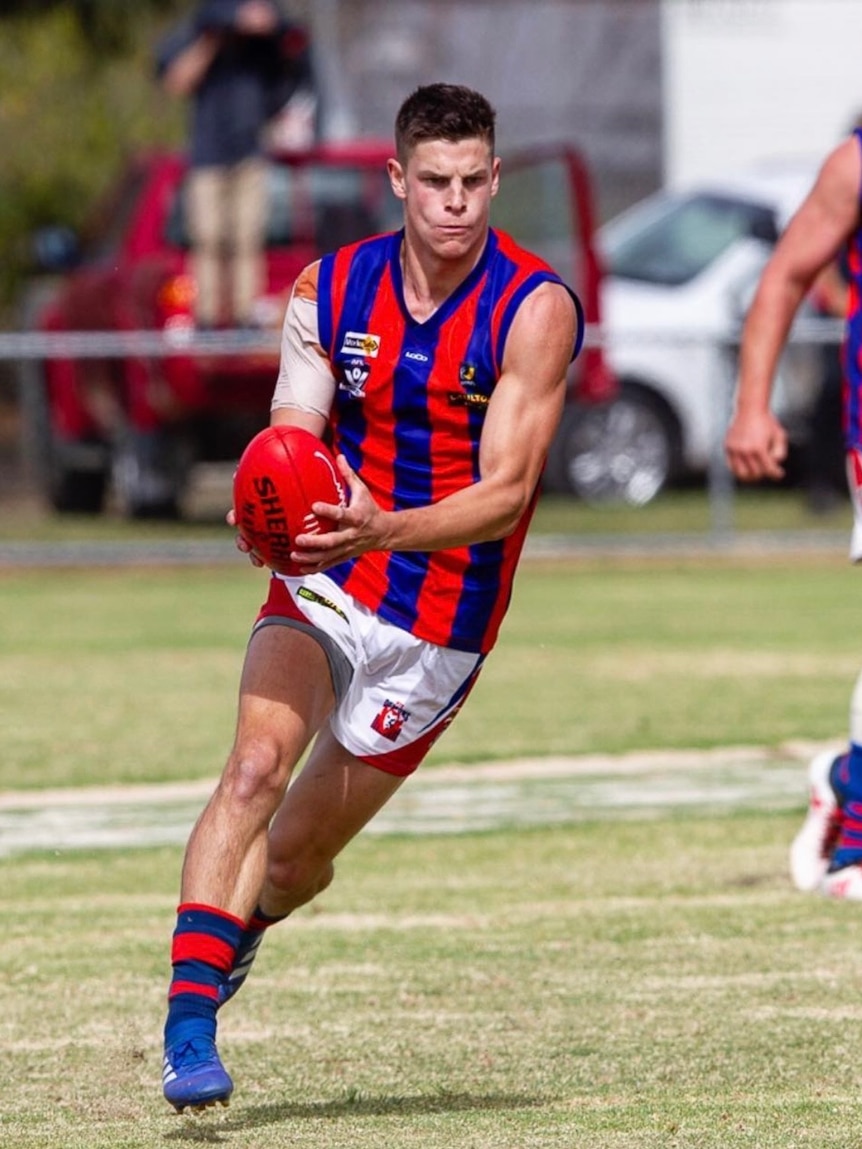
x=845 y=882
x=246 y=952
x=193 y=1076
x=811 y=852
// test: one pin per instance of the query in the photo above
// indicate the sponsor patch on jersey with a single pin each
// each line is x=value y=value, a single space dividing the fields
x=312 y=596
x=468 y=399
x=390 y=720
x=467 y=396
x=360 y=343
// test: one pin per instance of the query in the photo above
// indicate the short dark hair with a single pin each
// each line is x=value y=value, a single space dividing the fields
x=443 y=112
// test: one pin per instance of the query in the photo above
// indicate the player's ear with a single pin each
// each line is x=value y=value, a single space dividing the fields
x=396 y=178
x=495 y=175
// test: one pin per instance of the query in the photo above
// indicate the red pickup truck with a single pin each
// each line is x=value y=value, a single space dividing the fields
x=125 y=413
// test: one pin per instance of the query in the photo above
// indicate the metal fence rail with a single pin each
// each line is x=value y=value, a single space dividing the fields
x=27 y=348
x=28 y=345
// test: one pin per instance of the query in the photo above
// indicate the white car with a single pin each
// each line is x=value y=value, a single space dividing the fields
x=681 y=270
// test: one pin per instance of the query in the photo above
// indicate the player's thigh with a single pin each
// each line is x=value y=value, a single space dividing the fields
x=285 y=694
x=331 y=800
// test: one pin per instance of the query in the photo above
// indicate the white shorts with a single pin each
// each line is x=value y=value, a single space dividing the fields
x=395 y=693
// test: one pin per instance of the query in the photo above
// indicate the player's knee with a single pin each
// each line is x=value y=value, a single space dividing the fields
x=299 y=880
x=257 y=771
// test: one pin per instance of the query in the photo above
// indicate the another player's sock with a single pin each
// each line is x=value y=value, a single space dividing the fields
x=846 y=781
x=854 y=484
x=246 y=952
x=204 y=946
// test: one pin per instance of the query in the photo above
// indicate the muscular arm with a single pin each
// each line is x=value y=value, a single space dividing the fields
x=520 y=422
x=756 y=444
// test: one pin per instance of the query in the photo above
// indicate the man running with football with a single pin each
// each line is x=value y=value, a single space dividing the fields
x=434 y=359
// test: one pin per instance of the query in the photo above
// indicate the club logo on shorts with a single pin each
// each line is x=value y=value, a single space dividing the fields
x=390 y=721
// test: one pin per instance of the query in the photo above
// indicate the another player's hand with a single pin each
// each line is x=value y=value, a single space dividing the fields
x=756 y=446
x=359 y=527
x=242 y=544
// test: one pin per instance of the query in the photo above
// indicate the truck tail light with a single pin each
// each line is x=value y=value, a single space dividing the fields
x=596 y=382
x=177 y=295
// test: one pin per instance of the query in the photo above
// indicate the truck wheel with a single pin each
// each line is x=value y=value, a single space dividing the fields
x=72 y=477
x=150 y=471
x=624 y=451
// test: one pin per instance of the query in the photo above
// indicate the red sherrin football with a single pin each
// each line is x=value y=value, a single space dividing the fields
x=282 y=471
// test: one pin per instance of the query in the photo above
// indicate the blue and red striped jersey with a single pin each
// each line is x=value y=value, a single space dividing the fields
x=408 y=413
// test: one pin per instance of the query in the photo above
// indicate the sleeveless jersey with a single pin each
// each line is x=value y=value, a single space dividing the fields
x=408 y=412
x=851 y=351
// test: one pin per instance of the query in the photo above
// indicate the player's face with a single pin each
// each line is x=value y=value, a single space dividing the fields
x=447 y=190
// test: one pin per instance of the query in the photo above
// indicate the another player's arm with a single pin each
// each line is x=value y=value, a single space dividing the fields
x=756 y=443
x=520 y=422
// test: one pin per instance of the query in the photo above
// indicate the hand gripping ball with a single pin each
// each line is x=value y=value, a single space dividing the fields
x=282 y=471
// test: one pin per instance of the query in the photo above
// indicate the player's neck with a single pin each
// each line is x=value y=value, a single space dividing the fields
x=428 y=279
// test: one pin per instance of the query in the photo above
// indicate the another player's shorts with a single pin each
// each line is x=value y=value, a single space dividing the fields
x=395 y=693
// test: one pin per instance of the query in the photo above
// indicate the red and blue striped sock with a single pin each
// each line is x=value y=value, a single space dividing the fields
x=203 y=950
x=246 y=952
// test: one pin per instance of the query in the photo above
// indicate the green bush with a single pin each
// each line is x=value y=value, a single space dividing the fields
x=70 y=114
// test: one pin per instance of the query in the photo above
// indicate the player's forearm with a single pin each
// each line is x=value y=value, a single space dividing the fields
x=481 y=513
x=764 y=335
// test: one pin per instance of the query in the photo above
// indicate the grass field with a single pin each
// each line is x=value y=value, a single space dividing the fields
x=113 y=676
x=642 y=984
x=621 y=981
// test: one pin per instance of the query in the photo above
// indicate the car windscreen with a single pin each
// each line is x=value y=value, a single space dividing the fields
x=108 y=223
x=672 y=240
x=535 y=205
x=326 y=206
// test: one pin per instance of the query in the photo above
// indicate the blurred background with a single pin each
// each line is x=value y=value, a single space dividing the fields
x=668 y=105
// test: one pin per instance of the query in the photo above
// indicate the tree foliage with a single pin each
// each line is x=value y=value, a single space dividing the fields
x=72 y=110
x=105 y=25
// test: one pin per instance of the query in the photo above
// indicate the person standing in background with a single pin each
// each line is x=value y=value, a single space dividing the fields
x=239 y=62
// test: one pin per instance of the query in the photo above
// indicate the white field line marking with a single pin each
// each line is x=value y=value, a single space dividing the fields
x=443 y=799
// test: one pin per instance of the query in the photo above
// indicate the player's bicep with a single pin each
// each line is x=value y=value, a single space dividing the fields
x=829 y=213
x=527 y=403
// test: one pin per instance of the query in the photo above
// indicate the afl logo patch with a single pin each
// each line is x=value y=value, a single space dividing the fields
x=354 y=377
